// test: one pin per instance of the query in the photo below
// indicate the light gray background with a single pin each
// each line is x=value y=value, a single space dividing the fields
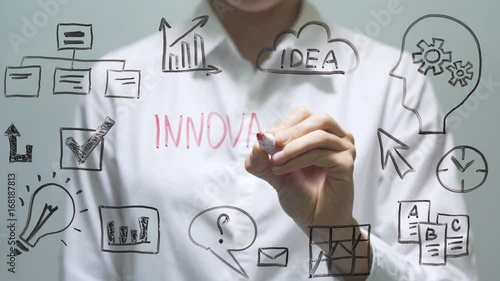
x=118 y=22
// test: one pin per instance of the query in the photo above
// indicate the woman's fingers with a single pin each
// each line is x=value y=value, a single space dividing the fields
x=318 y=139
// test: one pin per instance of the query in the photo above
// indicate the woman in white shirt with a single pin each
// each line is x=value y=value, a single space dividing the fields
x=322 y=177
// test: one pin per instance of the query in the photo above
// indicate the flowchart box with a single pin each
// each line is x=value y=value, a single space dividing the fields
x=72 y=36
x=123 y=84
x=22 y=81
x=71 y=81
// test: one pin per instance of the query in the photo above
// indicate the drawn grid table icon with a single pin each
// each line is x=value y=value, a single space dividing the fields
x=345 y=245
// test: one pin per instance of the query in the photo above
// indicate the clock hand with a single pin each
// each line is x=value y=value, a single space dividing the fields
x=457 y=163
x=468 y=165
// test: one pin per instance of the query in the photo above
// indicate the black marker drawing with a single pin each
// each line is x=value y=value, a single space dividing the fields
x=51 y=211
x=130 y=229
x=389 y=148
x=333 y=56
x=342 y=245
x=222 y=220
x=470 y=165
x=448 y=237
x=82 y=152
x=189 y=55
x=432 y=244
x=272 y=257
x=450 y=62
x=74 y=36
x=213 y=230
x=12 y=133
x=460 y=72
x=25 y=81
x=71 y=81
x=457 y=230
x=431 y=56
x=89 y=155
x=123 y=84
x=410 y=213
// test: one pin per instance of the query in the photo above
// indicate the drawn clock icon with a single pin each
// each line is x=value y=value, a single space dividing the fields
x=471 y=167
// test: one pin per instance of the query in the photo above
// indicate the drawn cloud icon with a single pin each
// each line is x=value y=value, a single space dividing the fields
x=301 y=53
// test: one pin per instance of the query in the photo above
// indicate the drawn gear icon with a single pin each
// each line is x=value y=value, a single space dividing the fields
x=431 y=56
x=460 y=73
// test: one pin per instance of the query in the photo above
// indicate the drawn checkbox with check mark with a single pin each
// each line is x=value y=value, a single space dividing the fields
x=82 y=149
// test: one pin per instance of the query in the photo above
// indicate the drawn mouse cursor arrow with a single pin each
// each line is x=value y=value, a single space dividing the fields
x=12 y=133
x=389 y=148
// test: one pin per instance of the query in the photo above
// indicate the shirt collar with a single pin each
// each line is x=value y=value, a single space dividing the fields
x=307 y=14
x=214 y=33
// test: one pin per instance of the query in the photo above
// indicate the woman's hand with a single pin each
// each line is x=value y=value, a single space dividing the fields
x=312 y=171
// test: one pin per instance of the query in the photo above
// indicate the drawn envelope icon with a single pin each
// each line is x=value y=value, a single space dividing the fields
x=273 y=256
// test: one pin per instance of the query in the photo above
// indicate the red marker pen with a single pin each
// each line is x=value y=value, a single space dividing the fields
x=266 y=142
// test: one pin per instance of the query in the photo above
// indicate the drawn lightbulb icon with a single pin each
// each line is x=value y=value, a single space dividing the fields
x=50 y=212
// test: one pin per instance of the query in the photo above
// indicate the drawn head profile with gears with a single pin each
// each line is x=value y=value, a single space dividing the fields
x=445 y=51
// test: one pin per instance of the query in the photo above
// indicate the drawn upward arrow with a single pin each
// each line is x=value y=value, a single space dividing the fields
x=391 y=150
x=12 y=133
x=201 y=23
x=164 y=25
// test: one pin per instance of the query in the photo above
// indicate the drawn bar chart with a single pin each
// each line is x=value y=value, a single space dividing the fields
x=186 y=53
x=130 y=229
x=123 y=239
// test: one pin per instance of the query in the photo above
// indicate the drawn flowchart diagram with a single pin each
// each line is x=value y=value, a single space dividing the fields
x=448 y=237
x=71 y=76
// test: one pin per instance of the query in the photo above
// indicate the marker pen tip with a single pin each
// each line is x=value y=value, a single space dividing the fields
x=260 y=136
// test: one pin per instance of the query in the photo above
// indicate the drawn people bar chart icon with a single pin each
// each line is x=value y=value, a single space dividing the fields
x=186 y=53
x=130 y=229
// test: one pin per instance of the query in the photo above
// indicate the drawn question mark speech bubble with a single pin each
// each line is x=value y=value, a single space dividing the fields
x=222 y=238
x=221 y=220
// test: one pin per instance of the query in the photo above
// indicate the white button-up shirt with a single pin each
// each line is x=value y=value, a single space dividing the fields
x=180 y=149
